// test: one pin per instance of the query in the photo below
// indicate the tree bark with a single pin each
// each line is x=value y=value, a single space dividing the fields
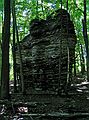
x=20 y=57
x=82 y=61
x=14 y=54
x=15 y=29
x=86 y=38
x=75 y=67
x=5 y=52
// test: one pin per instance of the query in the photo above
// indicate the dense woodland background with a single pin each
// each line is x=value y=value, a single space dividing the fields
x=23 y=11
x=15 y=18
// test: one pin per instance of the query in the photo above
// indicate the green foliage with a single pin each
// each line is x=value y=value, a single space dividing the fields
x=1 y=5
x=27 y=10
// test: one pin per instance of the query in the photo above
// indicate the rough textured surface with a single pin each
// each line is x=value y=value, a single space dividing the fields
x=45 y=53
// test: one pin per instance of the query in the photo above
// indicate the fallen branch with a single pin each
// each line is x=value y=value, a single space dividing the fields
x=57 y=115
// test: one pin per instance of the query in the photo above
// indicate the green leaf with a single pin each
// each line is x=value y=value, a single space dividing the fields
x=0 y=18
x=1 y=5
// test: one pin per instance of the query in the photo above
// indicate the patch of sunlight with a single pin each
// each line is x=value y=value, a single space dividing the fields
x=82 y=83
x=83 y=87
x=85 y=83
x=77 y=84
x=87 y=91
x=22 y=109
x=87 y=98
x=72 y=84
x=79 y=90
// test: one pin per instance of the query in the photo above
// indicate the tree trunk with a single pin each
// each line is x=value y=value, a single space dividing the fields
x=69 y=71
x=61 y=3
x=14 y=54
x=42 y=2
x=82 y=61
x=1 y=24
x=75 y=67
x=37 y=15
x=15 y=29
x=5 y=52
x=20 y=57
x=86 y=39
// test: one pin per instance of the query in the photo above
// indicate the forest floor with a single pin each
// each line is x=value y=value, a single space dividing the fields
x=74 y=106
